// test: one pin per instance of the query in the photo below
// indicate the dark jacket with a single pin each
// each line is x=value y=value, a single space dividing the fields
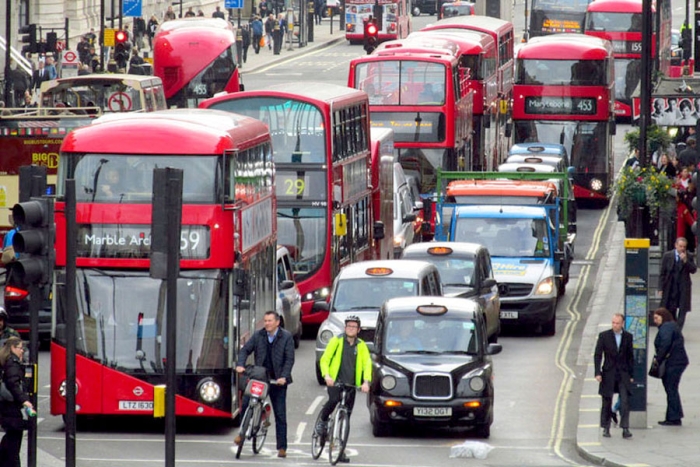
x=11 y=412
x=613 y=361
x=282 y=352
x=666 y=278
x=670 y=346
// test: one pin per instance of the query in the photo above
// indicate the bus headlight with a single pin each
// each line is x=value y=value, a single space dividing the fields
x=316 y=295
x=209 y=390
x=596 y=184
x=62 y=389
x=388 y=382
x=546 y=287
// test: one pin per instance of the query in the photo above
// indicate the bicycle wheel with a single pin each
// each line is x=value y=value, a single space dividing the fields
x=317 y=441
x=339 y=437
x=245 y=428
x=259 y=431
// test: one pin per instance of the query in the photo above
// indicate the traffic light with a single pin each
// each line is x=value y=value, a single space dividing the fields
x=121 y=52
x=34 y=241
x=371 y=35
x=51 y=41
x=687 y=42
x=28 y=36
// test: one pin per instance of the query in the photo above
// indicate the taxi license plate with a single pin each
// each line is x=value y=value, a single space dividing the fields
x=509 y=315
x=135 y=405
x=432 y=411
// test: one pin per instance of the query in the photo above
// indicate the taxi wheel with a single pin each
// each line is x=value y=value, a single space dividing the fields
x=379 y=429
x=483 y=431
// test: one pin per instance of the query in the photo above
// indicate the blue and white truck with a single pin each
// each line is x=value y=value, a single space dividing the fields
x=530 y=246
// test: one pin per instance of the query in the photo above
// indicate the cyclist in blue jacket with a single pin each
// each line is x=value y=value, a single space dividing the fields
x=346 y=360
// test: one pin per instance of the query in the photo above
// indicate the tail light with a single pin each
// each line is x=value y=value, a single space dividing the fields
x=392 y=27
x=15 y=293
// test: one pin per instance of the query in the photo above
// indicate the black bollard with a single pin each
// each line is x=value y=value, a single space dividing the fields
x=311 y=21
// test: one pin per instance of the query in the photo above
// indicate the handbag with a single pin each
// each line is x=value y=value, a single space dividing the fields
x=8 y=255
x=657 y=369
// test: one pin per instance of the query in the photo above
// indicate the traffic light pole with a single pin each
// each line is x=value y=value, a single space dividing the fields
x=35 y=301
x=71 y=320
x=8 y=49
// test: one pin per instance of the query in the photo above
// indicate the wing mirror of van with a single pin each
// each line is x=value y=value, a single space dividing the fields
x=418 y=206
x=320 y=306
x=488 y=283
x=286 y=285
x=408 y=218
x=378 y=230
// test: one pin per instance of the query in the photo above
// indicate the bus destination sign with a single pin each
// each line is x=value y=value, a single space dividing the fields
x=300 y=185
x=564 y=105
x=420 y=127
x=627 y=47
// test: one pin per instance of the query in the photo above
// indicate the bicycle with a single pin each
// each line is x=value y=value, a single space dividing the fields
x=256 y=419
x=338 y=429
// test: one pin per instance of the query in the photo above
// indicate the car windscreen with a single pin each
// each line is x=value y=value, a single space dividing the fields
x=370 y=293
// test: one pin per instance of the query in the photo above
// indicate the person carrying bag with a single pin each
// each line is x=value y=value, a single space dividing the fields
x=11 y=410
x=669 y=342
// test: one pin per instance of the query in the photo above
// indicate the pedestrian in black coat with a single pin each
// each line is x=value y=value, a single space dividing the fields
x=11 y=411
x=245 y=34
x=274 y=349
x=614 y=361
x=674 y=281
x=670 y=347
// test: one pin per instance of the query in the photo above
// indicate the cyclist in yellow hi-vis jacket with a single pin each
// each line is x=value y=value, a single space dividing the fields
x=345 y=360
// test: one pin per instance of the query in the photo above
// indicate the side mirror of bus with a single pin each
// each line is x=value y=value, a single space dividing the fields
x=239 y=282
x=378 y=230
x=286 y=285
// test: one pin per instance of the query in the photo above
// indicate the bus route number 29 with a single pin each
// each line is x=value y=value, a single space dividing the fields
x=294 y=187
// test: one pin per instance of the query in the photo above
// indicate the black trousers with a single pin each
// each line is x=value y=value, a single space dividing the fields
x=671 y=382
x=606 y=410
x=10 y=447
x=334 y=394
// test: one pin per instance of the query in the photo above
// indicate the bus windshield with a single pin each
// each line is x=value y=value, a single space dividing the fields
x=303 y=232
x=297 y=128
x=562 y=72
x=505 y=237
x=110 y=97
x=560 y=5
x=614 y=22
x=402 y=82
x=122 y=321
x=585 y=141
x=628 y=74
x=105 y=178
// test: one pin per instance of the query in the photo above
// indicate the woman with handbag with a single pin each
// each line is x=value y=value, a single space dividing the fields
x=670 y=350
x=11 y=411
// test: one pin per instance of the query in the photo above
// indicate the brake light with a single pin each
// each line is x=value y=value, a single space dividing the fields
x=15 y=293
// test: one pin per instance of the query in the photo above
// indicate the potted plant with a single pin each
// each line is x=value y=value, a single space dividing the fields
x=657 y=138
x=643 y=187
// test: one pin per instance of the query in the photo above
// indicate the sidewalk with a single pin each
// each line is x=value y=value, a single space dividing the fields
x=655 y=445
x=322 y=38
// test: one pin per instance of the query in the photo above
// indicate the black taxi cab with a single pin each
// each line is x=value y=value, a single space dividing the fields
x=466 y=272
x=432 y=366
x=361 y=288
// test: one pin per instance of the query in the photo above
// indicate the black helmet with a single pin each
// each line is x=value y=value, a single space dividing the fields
x=3 y=314
x=353 y=319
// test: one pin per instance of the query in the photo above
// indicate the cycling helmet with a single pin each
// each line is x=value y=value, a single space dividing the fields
x=353 y=319
x=3 y=314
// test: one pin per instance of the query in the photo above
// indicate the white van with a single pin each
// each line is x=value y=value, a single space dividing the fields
x=288 y=296
x=404 y=217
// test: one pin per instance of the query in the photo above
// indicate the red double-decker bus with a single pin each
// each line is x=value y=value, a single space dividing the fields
x=503 y=35
x=419 y=96
x=227 y=265
x=477 y=57
x=564 y=95
x=393 y=19
x=620 y=22
x=321 y=140
x=196 y=59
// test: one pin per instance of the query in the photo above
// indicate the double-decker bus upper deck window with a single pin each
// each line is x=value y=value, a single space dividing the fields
x=292 y=124
x=614 y=22
x=562 y=72
x=405 y=82
x=106 y=178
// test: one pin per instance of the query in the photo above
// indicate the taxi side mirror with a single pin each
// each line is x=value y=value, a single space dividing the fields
x=493 y=349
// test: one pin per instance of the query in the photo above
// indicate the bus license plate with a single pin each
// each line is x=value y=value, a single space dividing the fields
x=432 y=411
x=509 y=315
x=135 y=405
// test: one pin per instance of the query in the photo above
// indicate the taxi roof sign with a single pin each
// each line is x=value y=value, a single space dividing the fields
x=434 y=310
x=379 y=271
x=440 y=250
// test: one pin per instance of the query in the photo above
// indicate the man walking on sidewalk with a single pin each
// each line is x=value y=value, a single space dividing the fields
x=674 y=281
x=613 y=361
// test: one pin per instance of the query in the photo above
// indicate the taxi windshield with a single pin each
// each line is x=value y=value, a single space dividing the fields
x=369 y=293
x=431 y=335
x=454 y=271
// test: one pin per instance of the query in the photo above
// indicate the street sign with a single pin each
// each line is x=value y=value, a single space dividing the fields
x=109 y=37
x=119 y=102
x=69 y=57
x=233 y=4
x=131 y=7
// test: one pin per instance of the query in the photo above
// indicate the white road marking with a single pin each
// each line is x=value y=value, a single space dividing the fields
x=312 y=408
